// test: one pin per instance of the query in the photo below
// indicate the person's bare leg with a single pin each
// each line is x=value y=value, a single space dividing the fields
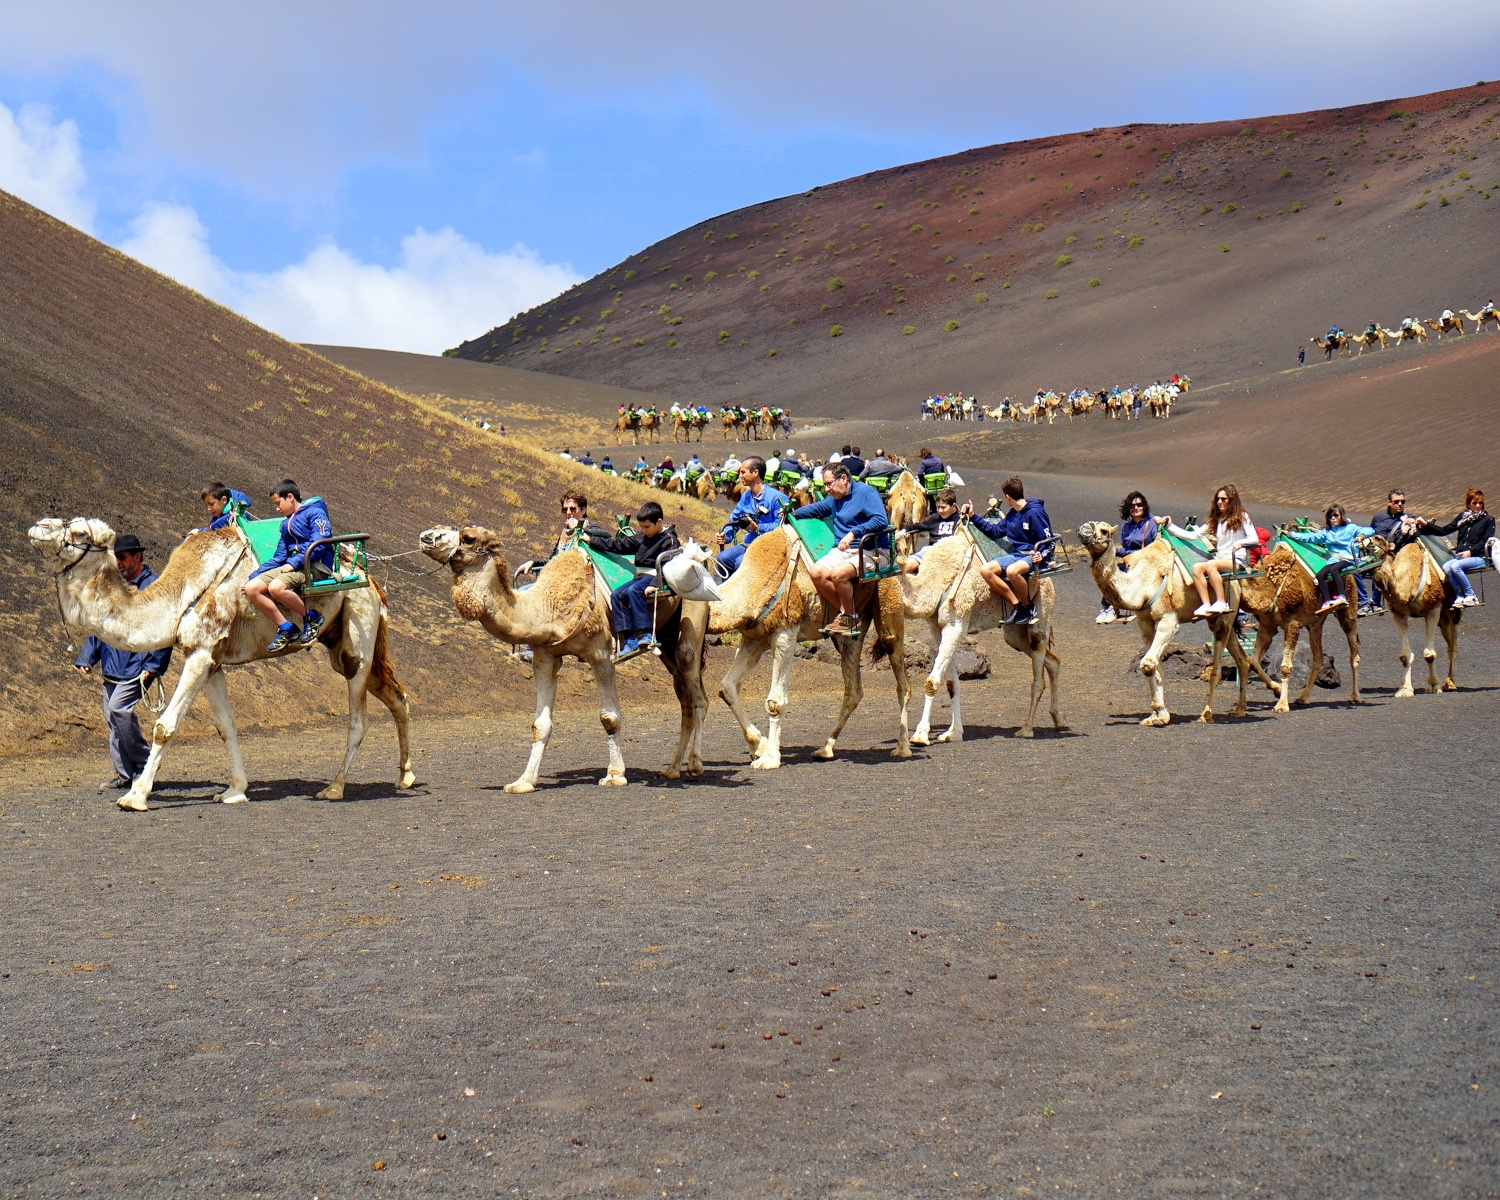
x=286 y=598
x=255 y=593
x=1217 y=581
x=843 y=587
x=1016 y=577
x=1200 y=582
x=996 y=580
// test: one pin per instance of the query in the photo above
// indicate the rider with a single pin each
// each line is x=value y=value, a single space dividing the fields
x=694 y=465
x=1137 y=531
x=628 y=604
x=939 y=523
x=606 y=465
x=219 y=500
x=790 y=462
x=1234 y=533
x=857 y=511
x=1475 y=527
x=585 y=459
x=1372 y=329
x=1029 y=531
x=275 y=581
x=880 y=466
x=641 y=465
x=757 y=511
x=931 y=463
x=1338 y=535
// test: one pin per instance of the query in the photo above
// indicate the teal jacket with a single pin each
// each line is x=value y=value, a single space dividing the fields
x=1340 y=539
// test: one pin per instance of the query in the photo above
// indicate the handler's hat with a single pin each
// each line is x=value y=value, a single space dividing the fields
x=128 y=542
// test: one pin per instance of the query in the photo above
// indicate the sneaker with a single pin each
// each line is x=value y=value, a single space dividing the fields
x=1204 y=610
x=1364 y=610
x=1219 y=606
x=1022 y=614
x=1471 y=601
x=1377 y=610
x=1031 y=616
x=1330 y=605
x=1105 y=617
x=285 y=636
x=842 y=625
x=311 y=627
x=630 y=645
x=118 y=784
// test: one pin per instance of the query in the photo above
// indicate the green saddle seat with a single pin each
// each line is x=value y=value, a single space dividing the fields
x=1190 y=552
x=818 y=536
x=935 y=482
x=350 y=567
x=785 y=480
x=881 y=483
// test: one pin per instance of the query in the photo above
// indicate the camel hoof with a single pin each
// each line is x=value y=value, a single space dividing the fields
x=1449 y=686
x=1157 y=720
x=1281 y=706
x=952 y=735
x=1207 y=716
x=1405 y=694
x=1028 y=732
x=612 y=781
x=232 y=798
x=132 y=803
x=921 y=739
x=1058 y=722
x=671 y=773
x=898 y=752
x=520 y=787
x=695 y=767
x=766 y=762
x=334 y=791
x=824 y=751
x=407 y=779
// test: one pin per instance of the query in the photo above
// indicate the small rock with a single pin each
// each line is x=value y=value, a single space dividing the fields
x=972 y=663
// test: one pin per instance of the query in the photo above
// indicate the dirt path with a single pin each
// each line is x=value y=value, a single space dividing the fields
x=1252 y=958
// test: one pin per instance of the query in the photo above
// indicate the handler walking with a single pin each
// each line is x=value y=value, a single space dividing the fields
x=126 y=676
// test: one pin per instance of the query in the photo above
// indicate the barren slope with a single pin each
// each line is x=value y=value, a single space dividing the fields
x=1339 y=216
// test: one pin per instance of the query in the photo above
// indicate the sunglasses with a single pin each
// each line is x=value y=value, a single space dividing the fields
x=567 y=508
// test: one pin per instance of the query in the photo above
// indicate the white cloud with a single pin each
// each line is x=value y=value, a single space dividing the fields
x=442 y=289
x=41 y=163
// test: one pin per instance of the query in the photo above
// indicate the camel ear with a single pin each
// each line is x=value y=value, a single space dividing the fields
x=100 y=533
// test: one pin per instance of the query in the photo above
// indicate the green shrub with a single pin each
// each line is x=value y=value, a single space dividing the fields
x=1005 y=285
x=1296 y=207
x=907 y=330
x=977 y=277
x=915 y=229
x=1063 y=260
x=1093 y=283
x=765 y=287
x=724 y=335
x=835 y=283
x=1225 y=247
x=880 y=205
x=1229 y=208
x=710 y=275
x=1337 y=200
x=836 y=331
x=640 y=341
x=1135 y=240
x=1205 y=209
x=1419 y=204
x=671 y=341
x=1030 y=178
x=981 y=297
x=628 y=274
x=950 y=278
x=1443 y=201
x=1051 y=293
x=1286 y=173
x=770 y=353
x=973 y=212
x=950 y=326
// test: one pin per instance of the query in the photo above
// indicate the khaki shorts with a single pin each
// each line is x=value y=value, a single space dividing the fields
x=292 y=579
x=838 y=558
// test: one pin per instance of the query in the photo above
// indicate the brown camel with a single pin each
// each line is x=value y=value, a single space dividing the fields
x=198 y=606
x=629 y=422
x=1479 y=318
x=1452 y=323
x=906 y=501
x=734 y=423
x=1415 y=332
x=1415 y=586
x=1339 y=342
x=1368 y=337
x=685 y=421
x=1286 y=598
x=565 y=614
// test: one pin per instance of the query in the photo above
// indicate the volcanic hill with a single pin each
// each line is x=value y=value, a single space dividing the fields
x=1109 y=256
x=122 y=393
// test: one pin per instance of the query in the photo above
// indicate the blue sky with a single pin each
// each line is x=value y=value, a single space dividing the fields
x=407 y=176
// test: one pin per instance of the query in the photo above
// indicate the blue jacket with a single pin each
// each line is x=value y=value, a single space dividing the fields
x=1388 y=527
x=861 y=512
x=1135 y=535
x=236 y=497
x=1023 y=528
x=932 y=465
x=298 y=532
x=117 y=664
x=1339 y=539
x=766 y=511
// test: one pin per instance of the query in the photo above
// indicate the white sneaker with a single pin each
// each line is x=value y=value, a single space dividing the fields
x=1106 y=617
x=1204 y=610
x=1219 y=606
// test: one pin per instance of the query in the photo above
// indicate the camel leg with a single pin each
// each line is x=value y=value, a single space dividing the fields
x=946 y=637
x=1348 y=617
x=1449 y=628
x=386 y=688
x=894 y=641
x=1054 y=669
x=601 y=663
x=1429 y=646
x=783 y=648
x=746 y=656
x=1290 y=632
x=1315 y=657
x=195 y=672
x=357 y=682
x=853 y=692
x=1223 y=631
x=216 y=688
x=1157 y=635
x=683 y=661
x=544 y=671
x=1038 y=656
x=1265 y=634
x=1407 y=657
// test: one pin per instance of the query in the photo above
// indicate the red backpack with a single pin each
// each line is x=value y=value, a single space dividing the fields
x=1256 y=553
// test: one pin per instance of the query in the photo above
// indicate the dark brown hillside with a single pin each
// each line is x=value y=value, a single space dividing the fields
x=1373 y=211
x=121 y=394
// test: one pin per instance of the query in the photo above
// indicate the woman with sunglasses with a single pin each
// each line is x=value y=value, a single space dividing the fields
x=1338 y=536
x=1137 y=531
x=1475 y=527
x=1234 y=534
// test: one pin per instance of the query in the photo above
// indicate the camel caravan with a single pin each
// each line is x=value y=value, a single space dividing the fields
x=839 y=559
x=1117 y=403
x=1411 y=329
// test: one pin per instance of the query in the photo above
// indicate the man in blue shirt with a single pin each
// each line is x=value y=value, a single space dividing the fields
x=275 y=581
x=757 y=511
x=126 y=676
x=856 y=511
x=1029 y=531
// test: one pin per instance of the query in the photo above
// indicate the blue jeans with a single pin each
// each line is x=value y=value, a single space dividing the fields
x=631 y=608
x=730 y=556
x=1455 y=568
x=1364 y=587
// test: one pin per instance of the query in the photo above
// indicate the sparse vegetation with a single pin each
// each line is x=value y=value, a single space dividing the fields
x=977 y=277
x=1093 y=283
x=950 y=278
x=1337 y=200
x=981 y=297
x=1229 y=208
x=1297 y=207
x=1205 y=210
x=915 y=229
x=1135 y=240
x=1069 y=240
x=836 y=331
x=950 y=326
x=1051 y=293
x=1224 y=247
x=835 y=284
x=1063 y=260
x=908 y=330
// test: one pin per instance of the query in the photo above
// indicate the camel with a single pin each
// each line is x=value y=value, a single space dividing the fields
x=1414 y=332
x=734 y=423
x=684 y=421
x=565 y=614
x=1415 y=586
x=1286 y=598
x=771 y=603
x=1452 y=323
x=752 y=424
x=1479 y=318
x=1116 y=406
x=1157 y=589
x=949 y=593
x=629 y=422
x=1051 y=402
x=197 y=606
x=1365 y=339
x=1339 y=342
x=906 y=502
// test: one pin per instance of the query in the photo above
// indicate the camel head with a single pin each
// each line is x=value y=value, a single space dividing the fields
x=1377 y=545
x=64 y=544
x=461 y=548
x=1096 y=537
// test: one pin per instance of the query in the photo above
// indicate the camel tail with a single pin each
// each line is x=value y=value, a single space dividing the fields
x=382 y=680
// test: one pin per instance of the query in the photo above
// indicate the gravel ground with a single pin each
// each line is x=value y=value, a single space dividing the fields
x=1256 y=958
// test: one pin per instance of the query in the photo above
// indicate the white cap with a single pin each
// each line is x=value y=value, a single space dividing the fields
x=835 y=457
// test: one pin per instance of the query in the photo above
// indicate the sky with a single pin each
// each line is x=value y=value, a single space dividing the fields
x=383 y=173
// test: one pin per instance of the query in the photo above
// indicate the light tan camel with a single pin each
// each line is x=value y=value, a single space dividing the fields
x=949 y=593
x=906 y=502
x=1452 y=323
x=1157 y=589
x=565 y=614
x=197 y=607
x=771 y=603
x=1414 y=586
x=1367 y=338
x=629 y=422
x=651 y=426
x=1339 y=342
x=734 y=423
x=1479 y=318
x=1414 y=332
x=685 y=421
x=1286 y=598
